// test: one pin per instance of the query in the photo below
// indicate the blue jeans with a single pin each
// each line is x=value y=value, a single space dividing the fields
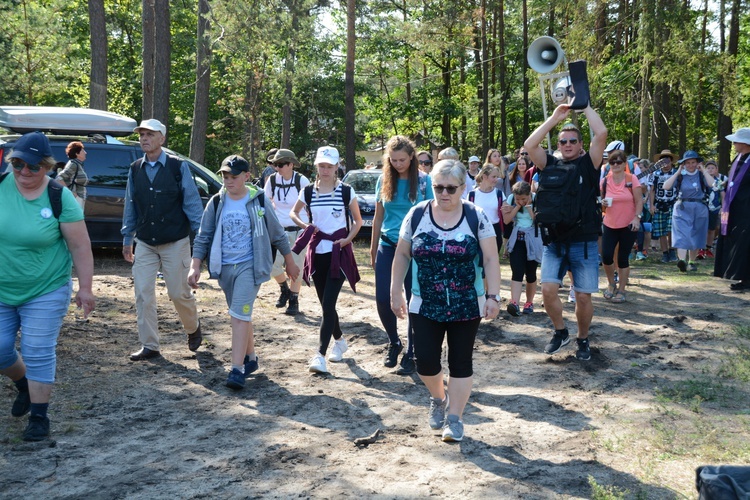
x=383 y=264
x=39 y=321
x=580 y=258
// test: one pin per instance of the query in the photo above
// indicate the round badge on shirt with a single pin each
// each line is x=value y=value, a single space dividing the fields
x=46 y=213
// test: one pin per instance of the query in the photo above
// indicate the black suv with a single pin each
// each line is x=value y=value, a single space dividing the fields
x=107 y=163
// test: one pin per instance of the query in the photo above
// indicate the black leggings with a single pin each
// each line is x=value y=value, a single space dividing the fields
x=328 y=290
x=519 y=265
x=428 y=345
x=610 y=238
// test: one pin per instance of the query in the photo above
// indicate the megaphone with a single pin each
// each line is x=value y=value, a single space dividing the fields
x=544 y=54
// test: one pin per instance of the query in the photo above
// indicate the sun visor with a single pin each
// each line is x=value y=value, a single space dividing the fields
x=62 y=121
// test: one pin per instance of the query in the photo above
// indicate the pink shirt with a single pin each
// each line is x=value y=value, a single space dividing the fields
x=622 y=211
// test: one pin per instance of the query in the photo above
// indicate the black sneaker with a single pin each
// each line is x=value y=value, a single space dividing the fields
x=682 y=265
x=293 y=308
x=583 y=353
x=235 y=380
x=407 y=366
x=37 y=430
x=391 y=359
x=284 y=296
x=559 y=339
x=21 y=405
x=513 y=309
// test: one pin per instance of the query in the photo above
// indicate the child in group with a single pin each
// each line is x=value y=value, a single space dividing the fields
x=489 y=198
x=330 y=258
x=715 y=199
x=690 y=216
x=524 y=246
x=239 y=234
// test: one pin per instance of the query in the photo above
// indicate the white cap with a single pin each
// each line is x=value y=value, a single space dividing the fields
x=474 y=158
x=152 y=124
x=614 y=146
x=742 y=135
x=327 y=154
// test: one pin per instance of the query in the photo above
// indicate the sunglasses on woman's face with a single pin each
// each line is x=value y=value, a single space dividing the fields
x=617 y=162
x=425 y=162
x=440 y=188
x=565 y=141
x=19 y=164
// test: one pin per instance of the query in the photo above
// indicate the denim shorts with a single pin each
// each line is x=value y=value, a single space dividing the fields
x=39 y=321
x=559 y=258
x=238 y=283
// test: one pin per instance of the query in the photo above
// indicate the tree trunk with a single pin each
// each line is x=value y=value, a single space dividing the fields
x=286 y=109
x=149 y=41
x=97 y=21
x=349 y=110
x=725 y=121
x=446 y=91
x=202 y=85
x=162 y=61
x=525 y=22
x=485 y=81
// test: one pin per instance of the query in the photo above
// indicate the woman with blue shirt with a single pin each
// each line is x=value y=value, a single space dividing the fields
x=401 y=186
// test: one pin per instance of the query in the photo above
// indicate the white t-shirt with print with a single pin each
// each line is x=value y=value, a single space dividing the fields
x=236 y=231
x=285 y=197
x=328 y=213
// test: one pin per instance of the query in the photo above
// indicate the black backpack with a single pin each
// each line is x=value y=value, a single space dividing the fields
x=54 y=191
x=559 y=202
x=297 y=179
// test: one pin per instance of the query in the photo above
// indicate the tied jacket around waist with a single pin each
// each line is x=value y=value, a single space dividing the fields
x=342 y=259
x=267 y=234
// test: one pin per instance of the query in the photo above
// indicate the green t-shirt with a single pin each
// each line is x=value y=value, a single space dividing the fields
x=35 y=257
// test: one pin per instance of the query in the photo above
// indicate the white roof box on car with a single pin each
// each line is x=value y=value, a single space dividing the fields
x=76 y=121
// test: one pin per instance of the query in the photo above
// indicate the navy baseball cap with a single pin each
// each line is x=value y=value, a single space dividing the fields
x=31 y=148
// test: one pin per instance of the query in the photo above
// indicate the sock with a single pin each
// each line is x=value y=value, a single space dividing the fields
x=691 y=262
x=39 y=409
x=240 y=368
x=563 y=332
x=22 y=384
x=249 y=358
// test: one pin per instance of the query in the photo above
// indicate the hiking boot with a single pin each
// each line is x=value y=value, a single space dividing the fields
x=640 y=256
x=21 y=404
x=692 y=267
x=38 y=428
x=407 y=366
x=665 y=258
x=250 y=366
x=318 y=364
x=437 y=412
x=528 y=308
x=293 y=308
x=583 y=353
x=284 y=296
x=391 y=359
x=236 y=380
x=195 y=339
x=673 y=255
x=338 y=350
x=682 y=265
x=453 y=430
x=559 y=339
x=513 y=308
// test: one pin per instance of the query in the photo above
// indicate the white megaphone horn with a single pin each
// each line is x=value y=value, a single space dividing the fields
x=544 y=54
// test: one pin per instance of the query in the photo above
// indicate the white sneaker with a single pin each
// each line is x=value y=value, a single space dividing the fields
x=338 y=350
x=572 y=296
x=318 y=364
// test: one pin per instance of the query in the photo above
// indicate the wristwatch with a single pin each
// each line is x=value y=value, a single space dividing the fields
x=496 y=298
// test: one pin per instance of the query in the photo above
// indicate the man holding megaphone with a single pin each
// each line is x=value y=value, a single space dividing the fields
x=569 y=217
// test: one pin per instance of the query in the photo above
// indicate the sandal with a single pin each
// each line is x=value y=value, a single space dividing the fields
x=619 y=298
x=609 y=292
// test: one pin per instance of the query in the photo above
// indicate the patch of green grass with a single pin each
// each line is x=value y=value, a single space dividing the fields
x=704 y=388
x=599 y=492
x=737 y=365
x=742 y=331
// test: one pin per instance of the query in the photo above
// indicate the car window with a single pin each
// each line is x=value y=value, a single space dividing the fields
x=363 y=183
x=104 y=166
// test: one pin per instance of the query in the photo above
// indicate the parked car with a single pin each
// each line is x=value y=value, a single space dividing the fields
x=107 y=162
x=364 y=182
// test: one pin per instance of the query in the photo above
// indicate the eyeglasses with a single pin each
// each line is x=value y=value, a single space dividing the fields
x=527 y=154
x=565 y=141
x=440 y=188
x=425 y=162
x=616 y=162
x=19 y=164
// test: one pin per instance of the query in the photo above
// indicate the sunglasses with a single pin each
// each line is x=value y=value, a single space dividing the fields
x=565 y=141
x=440 y=188
x=617 y=162
x=19 y=164
x=425 y=162
x=527 y=154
